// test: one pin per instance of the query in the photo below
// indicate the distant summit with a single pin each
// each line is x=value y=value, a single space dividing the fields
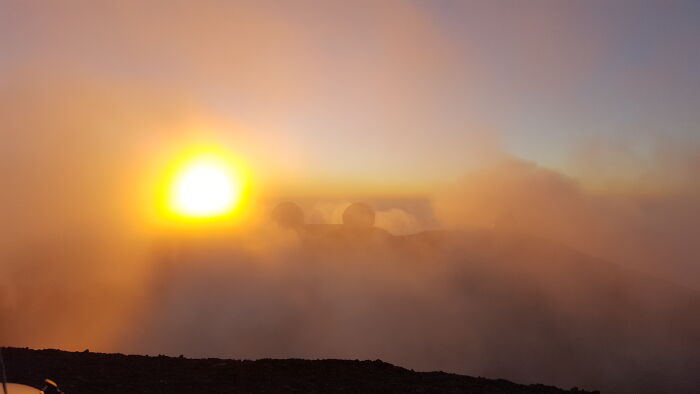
x=290 y=215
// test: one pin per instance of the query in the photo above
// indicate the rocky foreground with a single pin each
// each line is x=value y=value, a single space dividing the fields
x=87 y=372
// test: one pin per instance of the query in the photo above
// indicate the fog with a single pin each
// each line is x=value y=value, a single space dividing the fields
x=513 y=271
x=480 y=262
x=648 y=232
x=504 y=272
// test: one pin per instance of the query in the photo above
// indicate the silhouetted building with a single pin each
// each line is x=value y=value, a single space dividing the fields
x=288 y=214
x=358 y=215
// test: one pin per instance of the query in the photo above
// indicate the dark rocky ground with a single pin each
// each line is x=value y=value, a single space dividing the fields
x=86 y=372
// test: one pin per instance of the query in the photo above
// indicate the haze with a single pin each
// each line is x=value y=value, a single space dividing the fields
x=534 y=164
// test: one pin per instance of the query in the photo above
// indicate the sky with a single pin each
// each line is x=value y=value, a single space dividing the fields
x=392 y=95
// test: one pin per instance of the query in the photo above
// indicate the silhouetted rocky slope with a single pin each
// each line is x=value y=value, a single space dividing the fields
x=85 y=372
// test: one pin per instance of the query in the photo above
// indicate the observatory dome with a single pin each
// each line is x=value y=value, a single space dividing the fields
x=358 y=215
x=288 y=214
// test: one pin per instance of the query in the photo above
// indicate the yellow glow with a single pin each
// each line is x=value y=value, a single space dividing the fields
x=203 y=185
x=205 y=189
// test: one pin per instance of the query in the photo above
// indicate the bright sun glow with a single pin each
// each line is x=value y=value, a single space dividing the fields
x=205 y=187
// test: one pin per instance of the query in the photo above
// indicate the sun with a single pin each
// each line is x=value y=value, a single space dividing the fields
x=205 y=186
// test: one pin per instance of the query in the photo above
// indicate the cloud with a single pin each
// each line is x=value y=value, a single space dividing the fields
x=648 y=233
x=95 y=99
x=477 y=300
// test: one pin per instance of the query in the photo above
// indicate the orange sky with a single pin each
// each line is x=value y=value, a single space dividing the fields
x=390 y=97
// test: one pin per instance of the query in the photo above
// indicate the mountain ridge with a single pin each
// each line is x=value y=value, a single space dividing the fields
x=90 y=372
